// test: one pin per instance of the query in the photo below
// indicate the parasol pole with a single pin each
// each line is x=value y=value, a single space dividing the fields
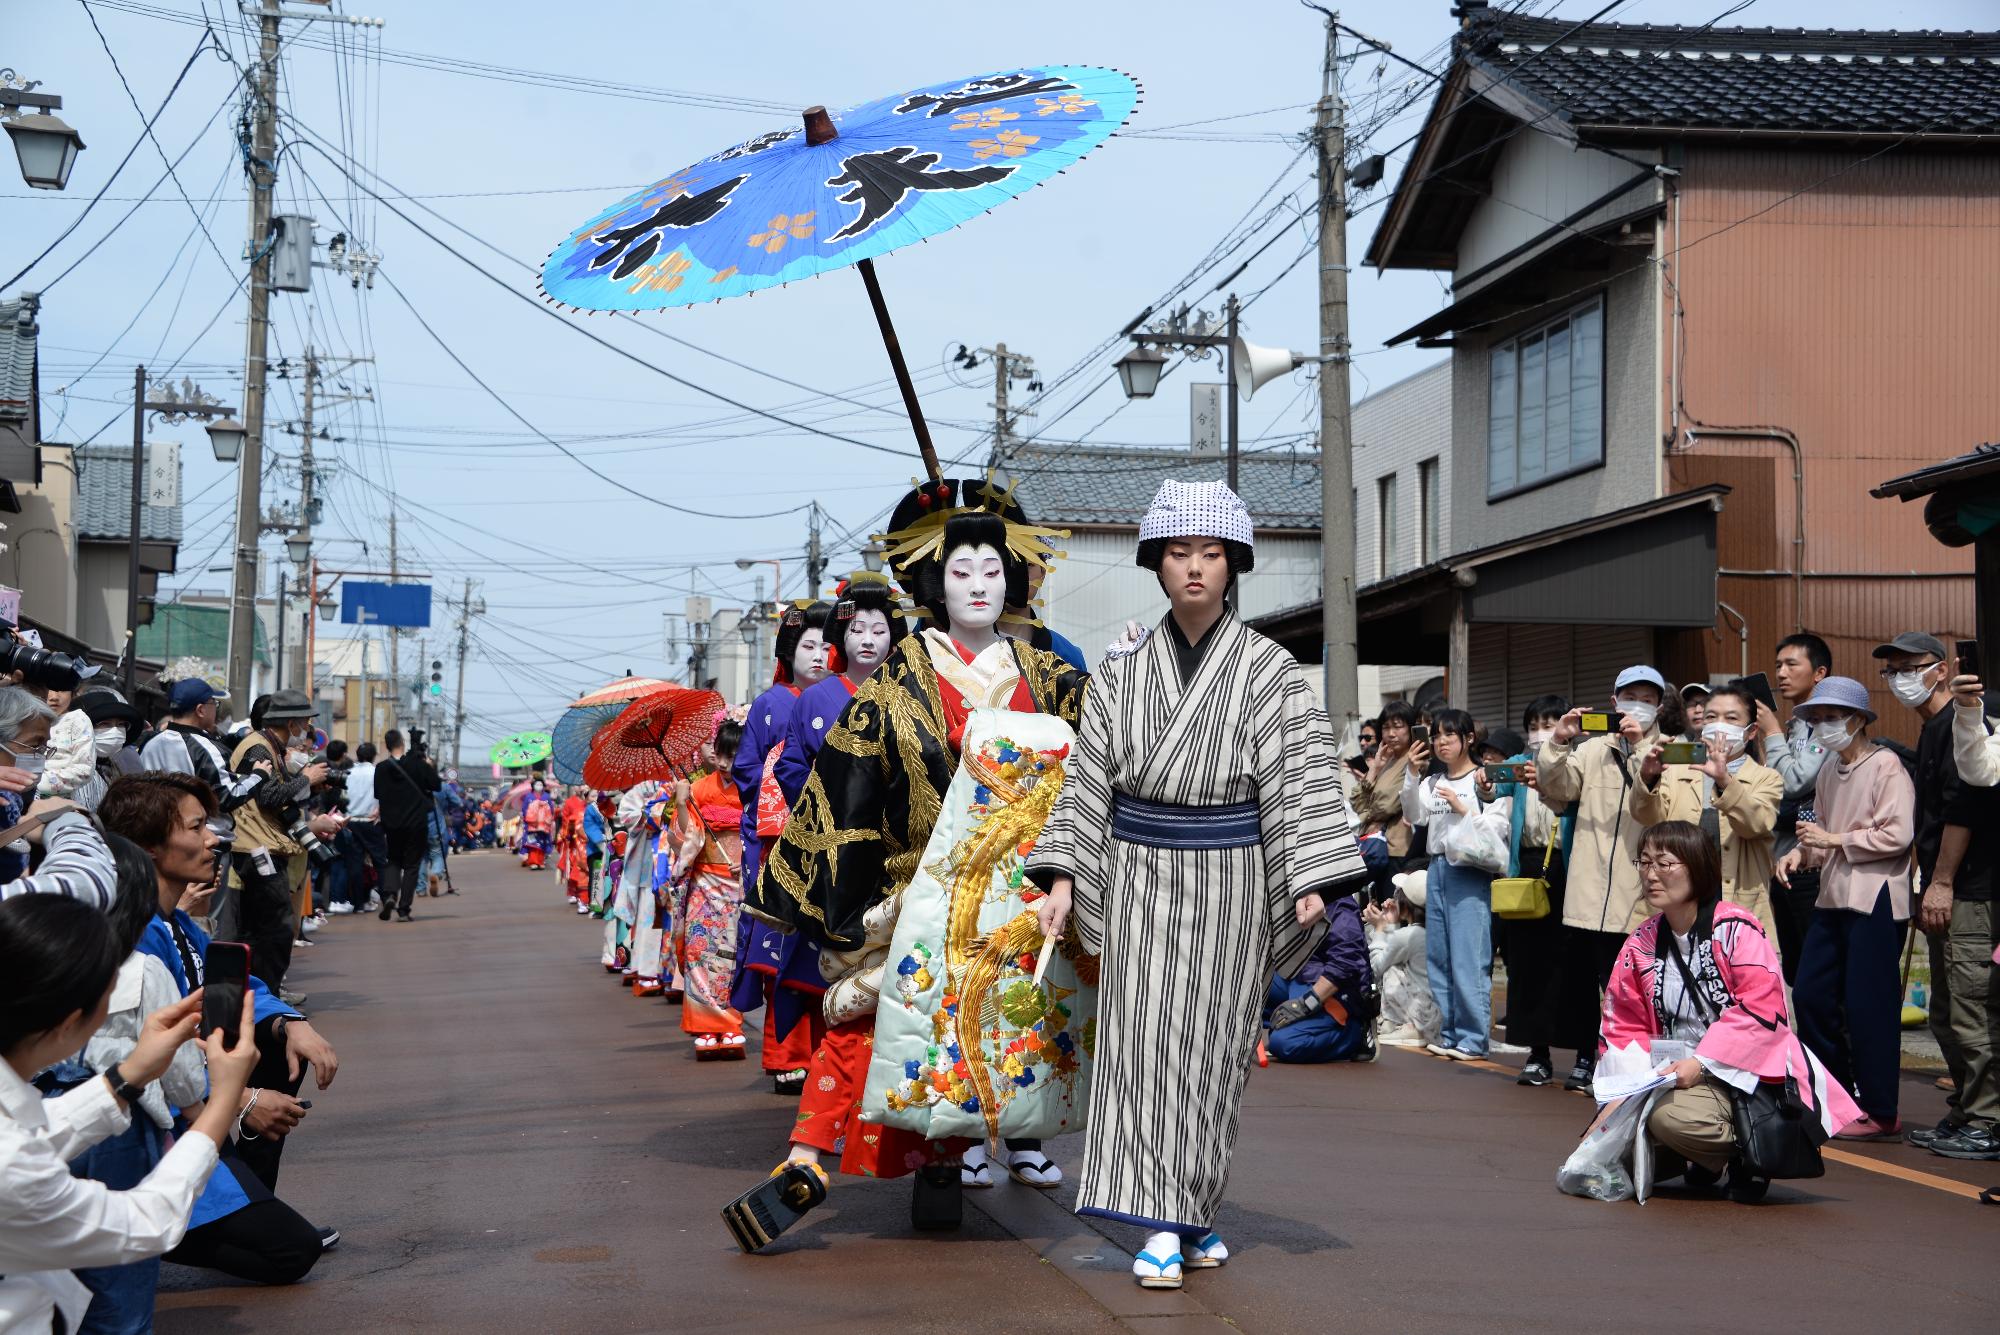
x=820 y=130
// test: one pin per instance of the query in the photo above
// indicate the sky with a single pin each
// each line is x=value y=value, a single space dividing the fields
x=575 y=570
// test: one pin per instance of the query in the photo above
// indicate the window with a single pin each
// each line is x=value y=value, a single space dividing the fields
x=1427 y=511
x=1385 y=526
x=1546 y=407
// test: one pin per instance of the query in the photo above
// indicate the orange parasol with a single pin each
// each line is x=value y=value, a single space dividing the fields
x=618 y=692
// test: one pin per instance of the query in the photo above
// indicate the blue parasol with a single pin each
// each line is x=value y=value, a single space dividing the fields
x=569 y=740
x=841 y=189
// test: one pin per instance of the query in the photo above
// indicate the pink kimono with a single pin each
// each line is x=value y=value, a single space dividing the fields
x=1750 y=1032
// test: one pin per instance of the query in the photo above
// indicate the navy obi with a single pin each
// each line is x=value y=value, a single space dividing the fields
x=1166 y=825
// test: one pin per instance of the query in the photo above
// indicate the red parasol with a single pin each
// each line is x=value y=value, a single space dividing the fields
x=656 y=737
x=618 y=692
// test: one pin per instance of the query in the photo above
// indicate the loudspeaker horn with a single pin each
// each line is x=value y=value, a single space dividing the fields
x=1257 y=365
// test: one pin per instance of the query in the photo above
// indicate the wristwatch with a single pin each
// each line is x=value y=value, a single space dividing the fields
x=126 y=1092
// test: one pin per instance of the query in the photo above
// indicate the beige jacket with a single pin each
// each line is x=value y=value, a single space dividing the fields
x=1381 y=803
x=1748 y=812
x=1595 y=777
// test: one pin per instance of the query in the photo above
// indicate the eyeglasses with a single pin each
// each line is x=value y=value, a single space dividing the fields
x=1661 y=865
x=1893 y=671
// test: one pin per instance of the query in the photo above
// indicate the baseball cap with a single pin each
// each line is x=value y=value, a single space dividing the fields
x=1694 y=688
x=1637 y=674
x=1913 y=642
x=191 y=694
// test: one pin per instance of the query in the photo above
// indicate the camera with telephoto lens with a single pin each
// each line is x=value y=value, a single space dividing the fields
x=301 y=832
x=44 y=668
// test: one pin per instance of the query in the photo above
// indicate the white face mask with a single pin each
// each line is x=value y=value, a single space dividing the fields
x=1833 y=734
x=109 y=742
x=1640 y=712
x=975 y=588
x=1726 y=738
x=1910 y=687
x=1540 y=736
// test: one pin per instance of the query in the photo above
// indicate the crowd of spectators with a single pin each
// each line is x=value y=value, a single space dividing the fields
x=133 y=835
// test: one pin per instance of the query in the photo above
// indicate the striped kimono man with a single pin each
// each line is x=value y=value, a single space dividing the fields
x=1189 y=935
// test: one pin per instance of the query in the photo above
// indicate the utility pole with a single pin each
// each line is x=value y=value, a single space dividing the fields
x=262 y=169
x=395 y=663
x=815 y=561
x=308 y=474
x=1339 y=649
x=465 y=611
x=1007 y=368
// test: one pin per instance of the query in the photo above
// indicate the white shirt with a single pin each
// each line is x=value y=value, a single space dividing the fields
x=361 y=802
x=144 y=986
x=51 y=1221
x=1423 y=804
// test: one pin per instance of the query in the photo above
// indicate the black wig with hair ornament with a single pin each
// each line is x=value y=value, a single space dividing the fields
x=865 y=591
x=792 y=628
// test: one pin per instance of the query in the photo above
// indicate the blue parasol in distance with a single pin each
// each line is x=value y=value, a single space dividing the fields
x=838 y=190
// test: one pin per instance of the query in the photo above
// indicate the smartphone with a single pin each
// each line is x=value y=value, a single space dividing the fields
x=225 y=968
x=1684 y=753
x=1968 y=657
x=1759 y=687
x=1511 y=771
x=1600 y=721
x=1419 y=733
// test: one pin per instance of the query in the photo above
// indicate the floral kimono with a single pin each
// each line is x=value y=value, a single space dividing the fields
x=711 y=824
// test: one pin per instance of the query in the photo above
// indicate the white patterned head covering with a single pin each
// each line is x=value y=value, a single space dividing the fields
x=1197 y=510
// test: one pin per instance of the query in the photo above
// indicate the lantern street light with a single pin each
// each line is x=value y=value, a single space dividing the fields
x=872 y=555
x=298 y=548
x=226 y=439
x=167 y=405
x=45 y=146
x=1139 y=371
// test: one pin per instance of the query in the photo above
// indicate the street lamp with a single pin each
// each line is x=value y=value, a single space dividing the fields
x=45 y=146
x=1139 y=371
x=298 y=548
x=169 y=405
x=777 y=578
x=226 y=439
x=327 y=607
x=872 y=555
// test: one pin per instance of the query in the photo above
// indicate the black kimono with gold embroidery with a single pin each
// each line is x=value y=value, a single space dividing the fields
x=877 y=785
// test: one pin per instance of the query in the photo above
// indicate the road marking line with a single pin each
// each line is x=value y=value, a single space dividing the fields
x=1922 y=1179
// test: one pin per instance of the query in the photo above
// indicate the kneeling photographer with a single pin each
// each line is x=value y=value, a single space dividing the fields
x=275 y=833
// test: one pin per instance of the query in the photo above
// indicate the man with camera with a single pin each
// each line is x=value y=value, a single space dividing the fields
x=187 y=744
x=275 y=832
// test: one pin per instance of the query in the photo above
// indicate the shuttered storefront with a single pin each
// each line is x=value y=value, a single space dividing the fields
x=1512 y=664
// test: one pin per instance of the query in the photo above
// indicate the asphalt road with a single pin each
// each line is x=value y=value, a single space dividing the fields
x=515 y=1143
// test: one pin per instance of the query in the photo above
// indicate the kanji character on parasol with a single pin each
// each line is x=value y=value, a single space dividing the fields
x=885 y=804
x=776 y=970
x=839 y=190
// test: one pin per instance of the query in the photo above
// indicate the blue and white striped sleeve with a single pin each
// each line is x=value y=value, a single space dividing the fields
x=78 y=864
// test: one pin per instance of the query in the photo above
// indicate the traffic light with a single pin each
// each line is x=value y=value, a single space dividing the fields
x=437 y=678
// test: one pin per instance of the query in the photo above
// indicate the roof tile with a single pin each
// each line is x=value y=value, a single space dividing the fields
x=104 y=498
x=1106 y=485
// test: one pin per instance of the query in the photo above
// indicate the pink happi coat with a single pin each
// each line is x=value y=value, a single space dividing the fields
x=1751 y=1033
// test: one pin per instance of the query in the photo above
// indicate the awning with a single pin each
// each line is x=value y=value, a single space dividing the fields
x=1645 y=565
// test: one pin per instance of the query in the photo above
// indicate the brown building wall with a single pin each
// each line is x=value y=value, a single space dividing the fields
x=1854 y=302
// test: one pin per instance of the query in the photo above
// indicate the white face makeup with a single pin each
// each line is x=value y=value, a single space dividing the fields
x=809 y=659
x=866 y=643
x=975 y=586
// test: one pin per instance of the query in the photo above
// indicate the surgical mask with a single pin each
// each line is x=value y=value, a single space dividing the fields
x=109 y=742
x=1640 y=712
x=295 y=761
x=1909 y=687
x=1833 y=734
x=31 y=762
x=1724 y=737
x=1540 y=737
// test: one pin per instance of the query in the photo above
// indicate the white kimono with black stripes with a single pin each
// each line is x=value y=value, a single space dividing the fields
x=1189 y=939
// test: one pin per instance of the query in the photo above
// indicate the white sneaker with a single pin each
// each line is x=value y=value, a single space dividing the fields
x=374 y=902
x=339 y=908
x=307 y=926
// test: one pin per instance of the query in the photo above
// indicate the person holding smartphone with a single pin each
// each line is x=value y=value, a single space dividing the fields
x=1742 y=792
x=1593 y=777
x=61 y=960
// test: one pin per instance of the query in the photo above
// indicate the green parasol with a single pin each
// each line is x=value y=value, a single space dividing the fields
x=522 y=750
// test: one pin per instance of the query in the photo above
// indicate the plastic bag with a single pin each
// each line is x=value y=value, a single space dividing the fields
x=1596 y=1167
x=1480 y=842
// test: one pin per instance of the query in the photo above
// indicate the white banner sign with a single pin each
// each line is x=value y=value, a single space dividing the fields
x=1205 y=419
x=163 y=473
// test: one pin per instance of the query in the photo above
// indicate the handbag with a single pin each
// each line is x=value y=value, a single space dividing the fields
x=1522 y=898
x=1777 y=1136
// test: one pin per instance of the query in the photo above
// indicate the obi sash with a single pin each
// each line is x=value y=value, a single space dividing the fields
x=1167 y=825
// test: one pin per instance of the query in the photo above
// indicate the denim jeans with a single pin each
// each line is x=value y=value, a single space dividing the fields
x=1315 y=1039
x=1458 y=948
